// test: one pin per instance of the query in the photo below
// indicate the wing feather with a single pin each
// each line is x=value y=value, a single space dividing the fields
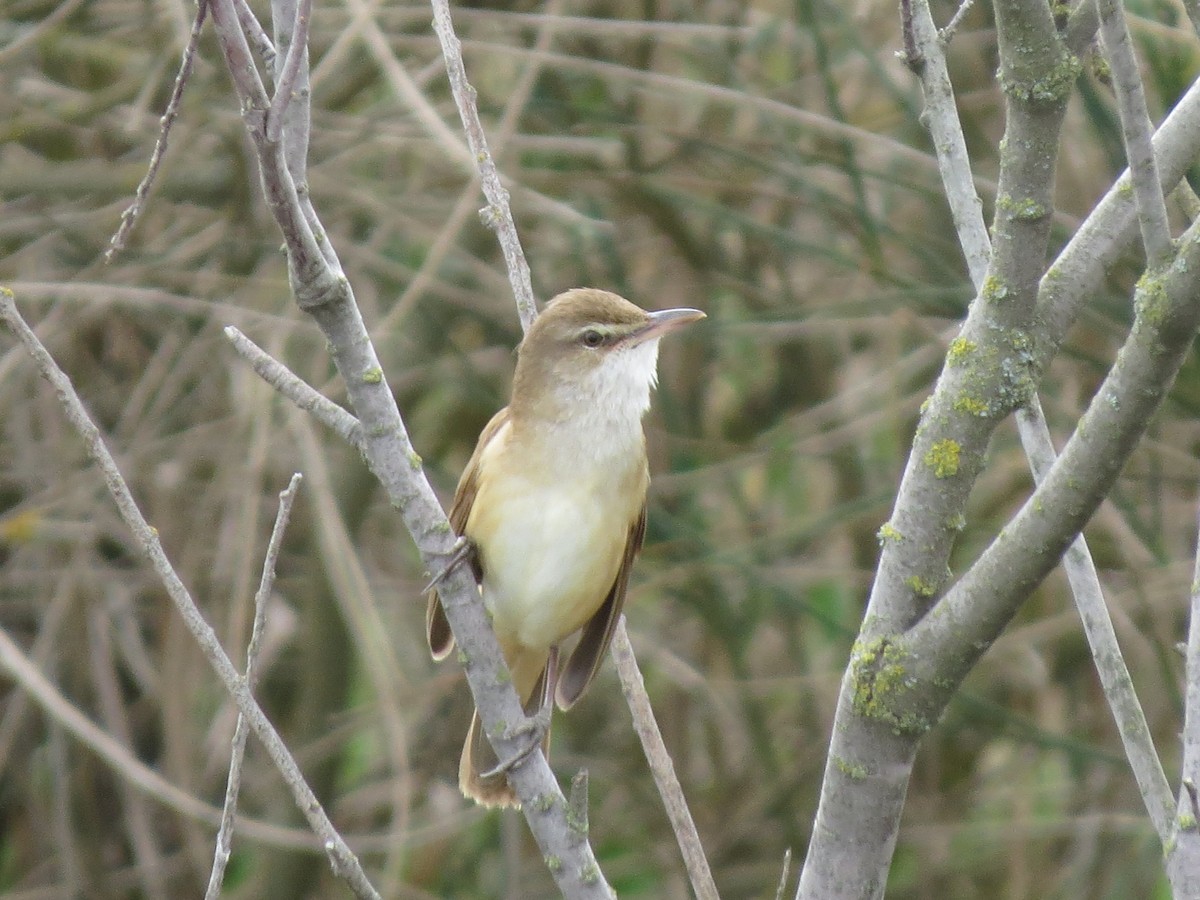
x=437 y=629
x=593 y=643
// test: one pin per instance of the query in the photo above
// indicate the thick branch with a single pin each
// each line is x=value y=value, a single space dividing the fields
x=988 y=372
x=1076 y=276
x=974 y=611
x=987 y=376
x=954 y=163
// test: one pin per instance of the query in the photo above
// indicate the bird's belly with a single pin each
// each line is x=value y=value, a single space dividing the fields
x=550 y=556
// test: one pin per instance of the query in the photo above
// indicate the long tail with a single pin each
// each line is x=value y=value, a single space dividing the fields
x=533 y=676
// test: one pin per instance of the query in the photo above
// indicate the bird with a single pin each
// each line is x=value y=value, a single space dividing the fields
x=553 y=505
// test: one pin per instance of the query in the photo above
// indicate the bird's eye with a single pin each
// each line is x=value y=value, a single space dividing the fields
x=592 y=338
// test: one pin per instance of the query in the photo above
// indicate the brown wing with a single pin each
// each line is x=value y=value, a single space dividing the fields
x=437 y=629
x=589 y=653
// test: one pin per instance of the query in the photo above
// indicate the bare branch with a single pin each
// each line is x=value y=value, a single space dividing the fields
x=253 y=28
x=1076 y=275
x=129 y=218
x=986 y=377
x=224 y=842
x=323 y=291
x=25 y=673
x=1135 y=129
x=344 y=862
x=1102 y=638
x=661 y=766
x=296 y=389
x=954 y=162
x=497 y=214
x=945 y=131
x=285 y=84
x=1166 y=322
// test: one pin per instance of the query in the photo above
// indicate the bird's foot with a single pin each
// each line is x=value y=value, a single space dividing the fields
x=462 y=552
x=530 y=733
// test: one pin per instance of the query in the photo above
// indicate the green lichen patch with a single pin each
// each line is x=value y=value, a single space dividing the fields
x=960 y=350
x=882 y=683
x=1053 y=86
x=888 y=532
x=972 y=406
x=1151 y=302
x=853 y=771
x=373 y=375
x=993 y=289
x=1025 y=209
x=920 y=586
x=942 y=457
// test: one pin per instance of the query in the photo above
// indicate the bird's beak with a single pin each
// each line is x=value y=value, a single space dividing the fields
x=663 y=321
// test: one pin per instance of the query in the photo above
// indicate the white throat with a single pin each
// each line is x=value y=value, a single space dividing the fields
x=602 y=413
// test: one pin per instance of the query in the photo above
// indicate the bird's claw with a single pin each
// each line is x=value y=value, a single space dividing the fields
x=530 y=732
x=462 y=551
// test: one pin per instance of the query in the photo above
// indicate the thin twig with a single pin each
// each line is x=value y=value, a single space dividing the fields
x=129 y=218
x=344 y=862
x=783 y=875
x=257 y=34
x=661 y=766
x=27 y=675
x=946 y=35
x=296 y=389
x=497 y=215
x=285 y=84
x=135 y=812
x=224 y=842
x=1102 y=639
x=1136 y=131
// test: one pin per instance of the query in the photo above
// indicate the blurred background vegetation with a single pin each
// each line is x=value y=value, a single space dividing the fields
x=764 y=162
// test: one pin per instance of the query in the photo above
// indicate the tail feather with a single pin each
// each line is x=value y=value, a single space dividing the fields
x=534 y=677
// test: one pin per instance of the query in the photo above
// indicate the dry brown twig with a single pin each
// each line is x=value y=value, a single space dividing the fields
x=496 y=215
x=661 y=766
x=343 y=860
x=130 y=216
x=224 y=842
